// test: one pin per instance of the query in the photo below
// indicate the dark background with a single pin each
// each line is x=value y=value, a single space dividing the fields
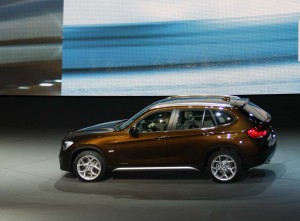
x=76 y=112
x=33 y=188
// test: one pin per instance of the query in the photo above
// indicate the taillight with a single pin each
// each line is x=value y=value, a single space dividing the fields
x=257 y=132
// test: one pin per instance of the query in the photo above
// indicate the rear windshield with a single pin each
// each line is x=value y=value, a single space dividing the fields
x=255 y=113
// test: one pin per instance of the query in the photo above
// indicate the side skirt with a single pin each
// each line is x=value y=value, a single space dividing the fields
x=154 y=168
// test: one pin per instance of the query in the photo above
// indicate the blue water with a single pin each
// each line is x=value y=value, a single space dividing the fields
x=116 y=53
x=280 y=78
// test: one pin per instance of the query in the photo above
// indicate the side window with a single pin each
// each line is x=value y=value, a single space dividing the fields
x=189 y=119
x=208 y=120
x=222 y=117
x=154 y=122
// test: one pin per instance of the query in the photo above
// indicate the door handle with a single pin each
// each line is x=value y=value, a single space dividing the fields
x=208 y=133
x=160 y=137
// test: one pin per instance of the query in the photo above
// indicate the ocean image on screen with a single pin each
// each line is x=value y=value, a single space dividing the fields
x=240 y=55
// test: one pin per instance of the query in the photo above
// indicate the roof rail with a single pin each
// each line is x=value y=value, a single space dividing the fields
x=206 y=96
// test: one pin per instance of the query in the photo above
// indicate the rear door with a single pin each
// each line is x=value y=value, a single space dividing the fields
x=191 y=135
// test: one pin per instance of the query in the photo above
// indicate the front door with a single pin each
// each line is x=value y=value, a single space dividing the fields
x=149 y=148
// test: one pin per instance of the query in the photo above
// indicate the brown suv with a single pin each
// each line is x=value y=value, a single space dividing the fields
x=225 y=135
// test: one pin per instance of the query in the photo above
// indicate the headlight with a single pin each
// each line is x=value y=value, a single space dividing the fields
x=67 y=144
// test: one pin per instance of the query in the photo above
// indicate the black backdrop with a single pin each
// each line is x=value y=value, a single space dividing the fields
x=75 y=112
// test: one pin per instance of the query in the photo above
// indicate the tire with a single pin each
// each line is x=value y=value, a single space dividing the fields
x=224 y=166
x=89 y=166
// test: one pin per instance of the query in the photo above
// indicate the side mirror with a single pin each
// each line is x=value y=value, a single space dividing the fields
x=134 y=132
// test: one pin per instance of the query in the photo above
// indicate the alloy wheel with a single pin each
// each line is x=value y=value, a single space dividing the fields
x=88 y=167
x=223 y=168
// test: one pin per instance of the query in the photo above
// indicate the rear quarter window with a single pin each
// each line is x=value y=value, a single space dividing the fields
x=222 y=117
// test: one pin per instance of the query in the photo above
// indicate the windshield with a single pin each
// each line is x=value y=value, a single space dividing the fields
x=132 y=119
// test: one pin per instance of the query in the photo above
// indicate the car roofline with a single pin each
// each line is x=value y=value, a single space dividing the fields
x=200 y=101
x=189 y=104
x=204 y=96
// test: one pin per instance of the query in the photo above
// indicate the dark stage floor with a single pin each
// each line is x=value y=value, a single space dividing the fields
x=33 y=188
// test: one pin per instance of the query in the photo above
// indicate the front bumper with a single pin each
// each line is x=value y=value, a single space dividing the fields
x=65 y=161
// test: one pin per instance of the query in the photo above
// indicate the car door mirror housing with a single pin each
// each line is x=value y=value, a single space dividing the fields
x=134 y=132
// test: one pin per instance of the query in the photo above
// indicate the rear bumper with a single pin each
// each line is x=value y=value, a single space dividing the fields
x=261 y=158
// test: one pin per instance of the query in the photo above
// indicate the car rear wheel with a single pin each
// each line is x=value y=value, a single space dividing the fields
x=224 y=166
x=89 y=166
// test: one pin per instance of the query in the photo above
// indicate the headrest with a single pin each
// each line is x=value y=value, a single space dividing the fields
x=188 y=115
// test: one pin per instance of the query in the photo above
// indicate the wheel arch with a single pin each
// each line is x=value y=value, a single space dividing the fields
x=216 y=148
x=82 y=149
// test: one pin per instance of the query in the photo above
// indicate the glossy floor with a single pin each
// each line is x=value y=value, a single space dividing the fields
x=33 y=188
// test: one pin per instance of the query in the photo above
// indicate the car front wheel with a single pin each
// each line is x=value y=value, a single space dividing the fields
x=224 y=166
x=89 y=166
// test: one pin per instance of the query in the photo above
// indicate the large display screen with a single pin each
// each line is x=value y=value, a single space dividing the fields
x=30 y=47
x=142 y=47
x=164 y=47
